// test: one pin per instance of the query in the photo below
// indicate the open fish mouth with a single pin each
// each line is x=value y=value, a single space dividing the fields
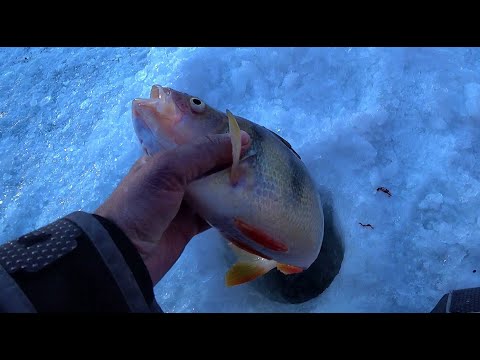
x=159 y=92
x=156 y=117
x=160 y=103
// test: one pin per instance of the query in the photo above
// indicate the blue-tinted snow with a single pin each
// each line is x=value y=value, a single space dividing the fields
x=404 y=118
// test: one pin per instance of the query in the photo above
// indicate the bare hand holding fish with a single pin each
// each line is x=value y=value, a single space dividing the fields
x=148 y=204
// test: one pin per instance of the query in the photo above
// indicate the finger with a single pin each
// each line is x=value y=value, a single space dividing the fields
x=139 y=163
x=201 y=224
x=188 y=218
x=187 y=223
x=190 y=161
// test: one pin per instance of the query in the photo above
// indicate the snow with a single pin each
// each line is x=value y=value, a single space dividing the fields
x=407 y=119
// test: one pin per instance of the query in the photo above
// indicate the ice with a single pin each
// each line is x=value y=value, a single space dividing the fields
x=407 y=119
x=472 y=101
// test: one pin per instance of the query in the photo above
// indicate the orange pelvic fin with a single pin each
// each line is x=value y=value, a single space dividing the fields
x=289 y=269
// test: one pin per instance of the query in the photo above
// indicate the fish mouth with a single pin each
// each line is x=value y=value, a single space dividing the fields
x=160 y=92
x=155 y=118
x=160 y=104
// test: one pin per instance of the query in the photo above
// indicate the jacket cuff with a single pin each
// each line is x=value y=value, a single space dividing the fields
x=80 y=263
x=131 y=257
x=122 y=259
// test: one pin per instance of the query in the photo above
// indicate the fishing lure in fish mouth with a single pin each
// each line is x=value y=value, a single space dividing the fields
x=265 y=204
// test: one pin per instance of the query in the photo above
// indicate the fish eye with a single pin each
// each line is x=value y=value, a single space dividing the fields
x=196 y=104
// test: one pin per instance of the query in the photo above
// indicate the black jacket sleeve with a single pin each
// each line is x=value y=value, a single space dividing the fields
x=79 y=263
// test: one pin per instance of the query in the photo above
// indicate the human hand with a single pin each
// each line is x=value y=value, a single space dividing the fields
x=148 y=203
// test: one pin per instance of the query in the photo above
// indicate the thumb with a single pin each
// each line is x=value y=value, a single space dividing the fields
x=190 y=161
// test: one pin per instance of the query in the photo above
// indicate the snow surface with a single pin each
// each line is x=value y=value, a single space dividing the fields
x=407 y=119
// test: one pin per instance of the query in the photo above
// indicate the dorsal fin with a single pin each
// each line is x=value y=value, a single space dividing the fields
x=285 y=142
